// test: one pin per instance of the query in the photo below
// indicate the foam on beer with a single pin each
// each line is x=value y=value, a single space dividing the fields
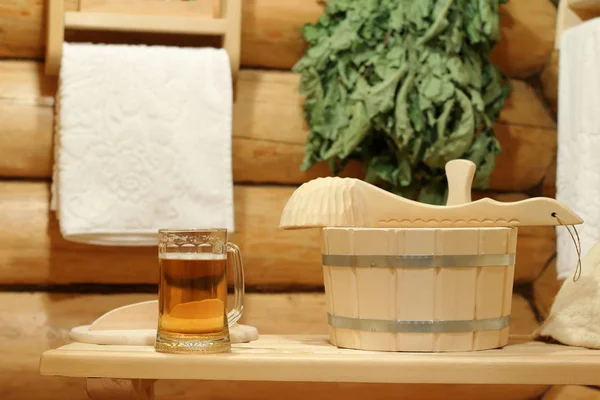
x=192 y=256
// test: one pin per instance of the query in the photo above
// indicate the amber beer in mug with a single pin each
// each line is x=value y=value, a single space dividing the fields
x=193 y=315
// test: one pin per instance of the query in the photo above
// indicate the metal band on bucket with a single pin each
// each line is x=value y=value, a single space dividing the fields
x=419 y=261
x=427 y=326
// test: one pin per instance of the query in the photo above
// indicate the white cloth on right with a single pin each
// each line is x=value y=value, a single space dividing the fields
x=578 y=160
x=574 y=318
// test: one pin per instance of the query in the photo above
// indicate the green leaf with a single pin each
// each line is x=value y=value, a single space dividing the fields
x=434 y=194
x=398 y=173
x=483 y=153
x=357 y=129
x=403 y=128
x=312 y=33
x=405 y=86
x=440 y=23
x=451 y=144
x=436 y=89
x=459 y=72
x=380 y=98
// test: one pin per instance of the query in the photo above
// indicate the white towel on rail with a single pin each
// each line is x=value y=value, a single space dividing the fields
x=578 y=163
x=143 y=142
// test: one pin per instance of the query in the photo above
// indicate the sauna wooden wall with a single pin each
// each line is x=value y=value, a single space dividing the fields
x=48 y=285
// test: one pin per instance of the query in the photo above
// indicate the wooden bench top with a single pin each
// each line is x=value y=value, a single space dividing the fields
x=312 y=359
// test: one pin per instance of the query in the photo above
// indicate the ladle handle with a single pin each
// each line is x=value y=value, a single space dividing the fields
x=460 y=174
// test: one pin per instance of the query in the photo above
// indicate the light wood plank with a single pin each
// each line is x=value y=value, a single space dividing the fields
x=572 y=393
x=32 y=250
x=24 y=82
x=524 y=107
x=312 y=359
x=493 y=287
x=55 y=34
x=206 y=8
x=96 y=21
x=522 y=318
x=526 y=154
x=549 y=184
x=26 y=143
x=271 y=32
x=567 y=18
x=585 y=5
x=535 y=246
x=545 y=289
x=268 y=126
x=527 y=37
x=23 y=28
x=456 y=288
x=232 y=13
x=549 y=81
x=509 y=302
x=333 y=203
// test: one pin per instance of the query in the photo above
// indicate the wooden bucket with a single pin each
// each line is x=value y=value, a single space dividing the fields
x=408 y=289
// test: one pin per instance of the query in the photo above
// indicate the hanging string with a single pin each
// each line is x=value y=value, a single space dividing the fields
x=577 y=243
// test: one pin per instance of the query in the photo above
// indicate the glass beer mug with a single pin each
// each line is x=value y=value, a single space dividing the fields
x=192 y=303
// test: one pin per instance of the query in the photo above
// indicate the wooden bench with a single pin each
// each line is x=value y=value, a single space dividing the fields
x=129 y=372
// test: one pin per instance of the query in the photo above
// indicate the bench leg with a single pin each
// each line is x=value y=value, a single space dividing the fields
x=120 y=389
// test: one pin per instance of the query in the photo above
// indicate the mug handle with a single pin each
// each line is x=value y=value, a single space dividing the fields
x=238 y=284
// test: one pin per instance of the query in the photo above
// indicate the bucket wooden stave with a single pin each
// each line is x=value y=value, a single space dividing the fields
x=408 y=289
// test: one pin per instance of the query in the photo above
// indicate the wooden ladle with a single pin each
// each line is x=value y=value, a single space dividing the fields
x=349 y=202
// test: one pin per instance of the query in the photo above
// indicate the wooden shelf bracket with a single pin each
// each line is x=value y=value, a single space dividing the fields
x=212 y=18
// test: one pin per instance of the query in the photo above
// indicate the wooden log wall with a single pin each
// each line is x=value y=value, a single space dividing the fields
x=48 y=285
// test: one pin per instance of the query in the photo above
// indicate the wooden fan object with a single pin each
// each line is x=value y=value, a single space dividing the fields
x=135 y=325
x=349 y=202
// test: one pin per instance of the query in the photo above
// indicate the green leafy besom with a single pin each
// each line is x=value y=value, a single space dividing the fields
x=403 y=86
